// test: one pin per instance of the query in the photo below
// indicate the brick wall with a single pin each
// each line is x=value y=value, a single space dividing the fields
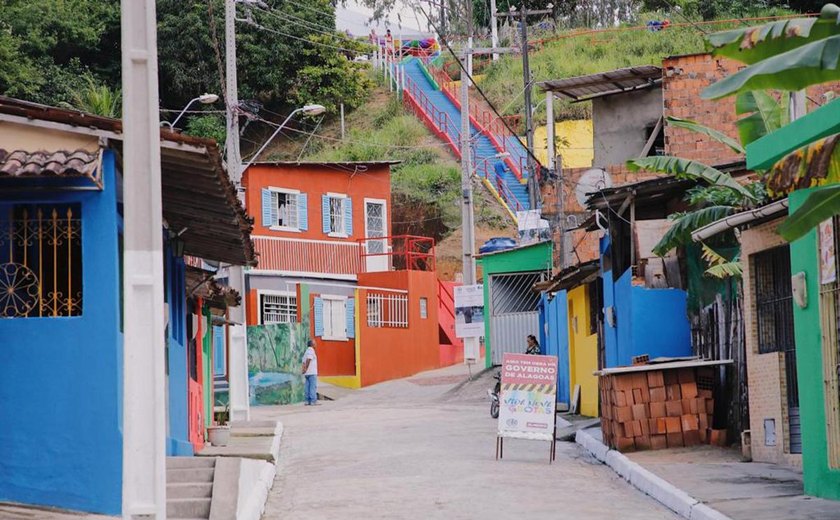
x=684 y=78
x=765 y=372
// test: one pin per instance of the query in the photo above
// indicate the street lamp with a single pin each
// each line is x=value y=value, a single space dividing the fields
x=310 y=110
x=204 y=99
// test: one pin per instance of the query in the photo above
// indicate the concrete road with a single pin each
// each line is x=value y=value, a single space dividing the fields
x=424 y=448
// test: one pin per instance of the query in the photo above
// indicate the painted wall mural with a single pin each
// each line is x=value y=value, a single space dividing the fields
x=275 y=353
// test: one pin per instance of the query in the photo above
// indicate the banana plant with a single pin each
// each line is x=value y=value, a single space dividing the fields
x=782 y=55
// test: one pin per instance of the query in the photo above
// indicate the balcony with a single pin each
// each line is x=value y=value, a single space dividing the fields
x=343 y=259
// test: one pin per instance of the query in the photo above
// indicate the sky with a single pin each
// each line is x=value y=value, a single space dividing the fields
x=354 y=17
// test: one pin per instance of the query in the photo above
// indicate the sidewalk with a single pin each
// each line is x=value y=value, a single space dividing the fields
x=707 y=482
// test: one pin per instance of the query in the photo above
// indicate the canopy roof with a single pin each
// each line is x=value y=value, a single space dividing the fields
x=582 y=88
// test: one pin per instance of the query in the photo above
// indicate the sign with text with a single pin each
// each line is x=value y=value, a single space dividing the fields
x=469 y=311
x=528 y=397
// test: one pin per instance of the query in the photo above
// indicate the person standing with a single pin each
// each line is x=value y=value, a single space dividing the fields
x=533 y=346
x=310 y=374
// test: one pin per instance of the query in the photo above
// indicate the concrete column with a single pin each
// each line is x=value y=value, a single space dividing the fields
x=550 y=132
x=144 y=378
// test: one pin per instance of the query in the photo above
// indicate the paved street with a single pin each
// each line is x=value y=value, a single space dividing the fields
x=417 y=449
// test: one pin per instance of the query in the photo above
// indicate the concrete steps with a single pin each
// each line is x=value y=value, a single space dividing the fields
x=189 y=487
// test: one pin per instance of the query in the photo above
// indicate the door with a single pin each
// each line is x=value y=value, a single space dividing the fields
x=513 y=312
x=195 y=393
x=375 y=224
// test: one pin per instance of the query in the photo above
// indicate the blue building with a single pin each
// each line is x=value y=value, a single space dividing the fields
x=644 y=300
x=61 y=321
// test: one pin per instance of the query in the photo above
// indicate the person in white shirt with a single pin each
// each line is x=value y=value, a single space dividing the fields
x=310 y=373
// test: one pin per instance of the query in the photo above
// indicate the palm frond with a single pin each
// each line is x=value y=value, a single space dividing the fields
x=680 y=232
x=720 y=266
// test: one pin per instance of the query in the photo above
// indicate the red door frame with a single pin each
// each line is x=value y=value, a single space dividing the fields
x=195 y=389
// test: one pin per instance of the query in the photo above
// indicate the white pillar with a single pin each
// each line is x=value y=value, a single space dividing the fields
x=470 y=58
x=240 y=408
x=144 y=378
x=549 y=127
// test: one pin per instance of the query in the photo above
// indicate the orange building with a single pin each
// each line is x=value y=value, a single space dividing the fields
x=326 y=259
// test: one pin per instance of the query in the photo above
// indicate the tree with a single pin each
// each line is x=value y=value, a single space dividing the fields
x=97 y=99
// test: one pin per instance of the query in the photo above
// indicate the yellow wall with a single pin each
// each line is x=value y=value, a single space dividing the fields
x=583 y=351
x=579 y=153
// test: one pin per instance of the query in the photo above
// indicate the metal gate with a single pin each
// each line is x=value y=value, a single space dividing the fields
x=774 y=309
x=513 y=312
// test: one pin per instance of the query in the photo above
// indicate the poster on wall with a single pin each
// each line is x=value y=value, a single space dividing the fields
x=469 y=311
x=828 y=256
x=528 y=397
x=532 y=227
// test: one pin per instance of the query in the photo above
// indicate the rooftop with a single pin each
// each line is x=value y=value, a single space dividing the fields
x=583 y=88
x=197 y=194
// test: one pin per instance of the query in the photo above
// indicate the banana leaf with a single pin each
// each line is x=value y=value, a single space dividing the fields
x=752 y=44
x=764 y=115
x=797 y=69
x=819 y=206
x=813 y=165
x=687 y=169
x=694 y=126
x=720 y=266
x=684 y=224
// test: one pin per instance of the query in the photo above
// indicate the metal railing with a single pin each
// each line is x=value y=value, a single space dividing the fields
x=401 y=253
x=308 y=256
x=440 y=121
x=387 y=310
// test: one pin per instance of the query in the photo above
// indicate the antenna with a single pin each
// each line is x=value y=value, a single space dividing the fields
x=591 y=181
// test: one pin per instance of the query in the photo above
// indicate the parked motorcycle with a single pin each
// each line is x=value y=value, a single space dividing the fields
x=494 y=396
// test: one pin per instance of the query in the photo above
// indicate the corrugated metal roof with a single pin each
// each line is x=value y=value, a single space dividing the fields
x=581 y=88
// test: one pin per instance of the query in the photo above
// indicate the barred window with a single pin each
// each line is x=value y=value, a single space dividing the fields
x=40 y=261
x=773 y=300
x=278 y=308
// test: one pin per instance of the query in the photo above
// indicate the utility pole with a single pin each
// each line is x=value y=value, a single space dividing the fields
x=471 y=345
x=237 y=340
x=144 y=364
x=494 y=29
x=524 y=13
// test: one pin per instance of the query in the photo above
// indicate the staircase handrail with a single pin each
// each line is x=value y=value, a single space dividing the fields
x=437 y=117
x=507 y=195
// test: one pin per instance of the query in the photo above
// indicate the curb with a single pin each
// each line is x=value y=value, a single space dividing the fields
x=469 y=379
x=647 y=482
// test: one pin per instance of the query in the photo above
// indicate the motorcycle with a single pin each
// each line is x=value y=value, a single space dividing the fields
x=494 y=396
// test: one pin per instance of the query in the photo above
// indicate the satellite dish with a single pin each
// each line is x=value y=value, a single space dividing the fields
x=590 y=182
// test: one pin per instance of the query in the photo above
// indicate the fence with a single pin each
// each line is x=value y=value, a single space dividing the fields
x=307 y=256
x=41 y=262
x=403 y=253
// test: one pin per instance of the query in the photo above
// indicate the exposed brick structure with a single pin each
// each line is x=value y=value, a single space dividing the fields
x=765 y=372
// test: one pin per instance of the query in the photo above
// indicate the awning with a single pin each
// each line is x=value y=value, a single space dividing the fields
x=754 y=216
x=571 y=277
x=200 y=283
x=583 y=88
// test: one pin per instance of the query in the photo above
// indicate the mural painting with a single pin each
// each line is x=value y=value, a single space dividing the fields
x=274 y=361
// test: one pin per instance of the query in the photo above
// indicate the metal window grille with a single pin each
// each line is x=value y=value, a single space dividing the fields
x=40 y=261
x=287 y=208
x=830 y=317
x=513 y=293
x=337 y=215
x=375 y=215
x=387 y=310
x=278 y=309
x=774 y=300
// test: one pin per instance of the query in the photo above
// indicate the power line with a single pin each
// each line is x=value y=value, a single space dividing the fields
x=288 y=18
x=262 y=27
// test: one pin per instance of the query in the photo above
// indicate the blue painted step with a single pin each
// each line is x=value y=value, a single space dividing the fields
x=484 y=149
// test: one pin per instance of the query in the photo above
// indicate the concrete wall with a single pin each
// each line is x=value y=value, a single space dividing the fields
x=820 y=479
x=387 y=353
x=619 y=124
x=177 y=439
x=765 y=372
x=583 y=351
x=61 y=378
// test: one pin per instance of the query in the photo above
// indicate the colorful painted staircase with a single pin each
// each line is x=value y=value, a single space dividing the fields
x=499 y=158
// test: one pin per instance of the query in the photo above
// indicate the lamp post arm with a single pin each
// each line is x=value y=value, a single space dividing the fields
x=276 y=131
x=184 y=111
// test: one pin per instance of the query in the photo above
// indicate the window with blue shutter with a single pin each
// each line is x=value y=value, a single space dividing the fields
x=325 y=214
x=303 y=216
x=351 y=317
x=266 y=208
x=348 y=216
x=319 y=317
